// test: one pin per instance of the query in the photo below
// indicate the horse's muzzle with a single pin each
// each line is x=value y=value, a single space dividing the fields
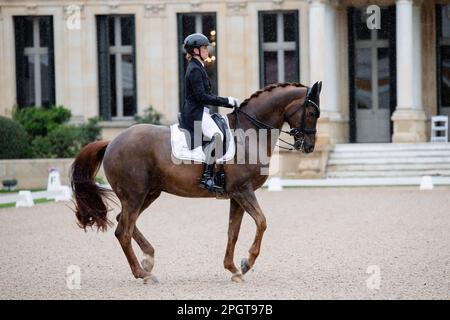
x=303 y=146
x=308 y=149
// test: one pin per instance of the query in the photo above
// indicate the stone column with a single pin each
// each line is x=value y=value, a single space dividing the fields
x=234 y=48
x=151 y=72
x=409 y=118
x=70 y=82
x=323 y=61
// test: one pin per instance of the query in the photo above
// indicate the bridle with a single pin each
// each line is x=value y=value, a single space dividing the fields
x=298 y=133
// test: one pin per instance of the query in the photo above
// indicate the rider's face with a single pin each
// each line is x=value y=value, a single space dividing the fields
x=203 y=52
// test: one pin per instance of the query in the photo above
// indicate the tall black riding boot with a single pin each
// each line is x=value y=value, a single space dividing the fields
x=207 y=180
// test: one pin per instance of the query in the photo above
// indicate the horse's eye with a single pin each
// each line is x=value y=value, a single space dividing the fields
x=310 y=114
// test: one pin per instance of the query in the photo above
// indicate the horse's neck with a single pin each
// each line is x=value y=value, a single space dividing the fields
x=272 y=110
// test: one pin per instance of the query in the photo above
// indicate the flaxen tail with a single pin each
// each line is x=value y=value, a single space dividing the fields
x=90 y=209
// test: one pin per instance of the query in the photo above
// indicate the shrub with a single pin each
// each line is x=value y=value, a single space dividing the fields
x=150 y=116
x=90 y=131
x=13 y=140
x=64 y=141
x=39 y=121
x=49 y=135
x=41 y=147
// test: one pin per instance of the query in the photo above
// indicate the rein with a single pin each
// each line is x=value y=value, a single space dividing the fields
x=298 y=133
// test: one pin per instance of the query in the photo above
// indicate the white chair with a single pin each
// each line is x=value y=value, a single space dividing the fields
x=439 y=124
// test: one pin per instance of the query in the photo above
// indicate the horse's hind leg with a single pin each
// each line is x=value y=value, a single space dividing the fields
x=144 y=244
x=124 y=232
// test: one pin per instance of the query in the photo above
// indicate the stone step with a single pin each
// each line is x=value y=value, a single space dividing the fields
x=390 y=160
x=362 y=147
x=354 y=182
x=389 y=154
x=377 y=174
x=384 y=160
x=389 y=167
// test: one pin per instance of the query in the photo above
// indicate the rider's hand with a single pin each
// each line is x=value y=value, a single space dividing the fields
x=233 y=102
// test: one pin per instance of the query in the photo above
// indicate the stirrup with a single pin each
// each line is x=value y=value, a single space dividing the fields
x=209 y=184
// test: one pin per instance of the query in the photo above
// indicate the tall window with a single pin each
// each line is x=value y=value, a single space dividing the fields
x=34 y=60
x=205 y=23
x=278 y=37
x=117 y=66
x=443 y=51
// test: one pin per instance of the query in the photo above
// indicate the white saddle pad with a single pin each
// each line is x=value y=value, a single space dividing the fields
x=181 y=151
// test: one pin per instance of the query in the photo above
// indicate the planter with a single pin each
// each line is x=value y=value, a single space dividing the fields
x=10 y=184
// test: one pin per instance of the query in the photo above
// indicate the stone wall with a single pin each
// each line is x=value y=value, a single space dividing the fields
x=296 y=165
x=33 y=173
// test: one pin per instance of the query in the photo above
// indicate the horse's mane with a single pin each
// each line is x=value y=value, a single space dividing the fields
x=270 y=87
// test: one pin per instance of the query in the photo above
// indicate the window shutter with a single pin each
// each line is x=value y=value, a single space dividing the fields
x=103 y=67
x=19 y=32
x=351 y=68
x=133 y=43
x=51 y=59
x=261 y=51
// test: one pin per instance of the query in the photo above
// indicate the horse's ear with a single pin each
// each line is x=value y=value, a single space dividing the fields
x=313 y=91
x=320 y=88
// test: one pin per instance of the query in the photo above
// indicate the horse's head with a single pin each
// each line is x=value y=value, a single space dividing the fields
x=303 y=119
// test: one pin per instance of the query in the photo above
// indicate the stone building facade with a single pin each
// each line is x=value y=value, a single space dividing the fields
x=116 y=58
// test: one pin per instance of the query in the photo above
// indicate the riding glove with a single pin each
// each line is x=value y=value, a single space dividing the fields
x=233 y=102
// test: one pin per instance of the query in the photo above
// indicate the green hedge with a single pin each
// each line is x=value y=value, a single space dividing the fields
x=37 y=132
x=151 y=116
x=39 y=121
x=13 y=140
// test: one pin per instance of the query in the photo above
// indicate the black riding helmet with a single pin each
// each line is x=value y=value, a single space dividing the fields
x=195 y=40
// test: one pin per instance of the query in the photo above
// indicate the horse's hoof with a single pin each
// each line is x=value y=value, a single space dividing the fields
x=150 y=279
x=237 y=278
x=244 y=266
x=147 y=263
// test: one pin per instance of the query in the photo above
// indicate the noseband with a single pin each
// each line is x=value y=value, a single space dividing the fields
x=302 y=129
x=298 y=133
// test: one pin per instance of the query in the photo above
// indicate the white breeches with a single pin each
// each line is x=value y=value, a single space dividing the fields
x=209 y=127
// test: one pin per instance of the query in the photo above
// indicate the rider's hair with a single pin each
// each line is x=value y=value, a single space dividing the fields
x=188 y=56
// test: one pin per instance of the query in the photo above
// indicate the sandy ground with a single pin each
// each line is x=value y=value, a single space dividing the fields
x=319 y=244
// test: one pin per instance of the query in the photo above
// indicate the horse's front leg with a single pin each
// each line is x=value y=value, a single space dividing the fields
x=247 y=200
x=234 y=225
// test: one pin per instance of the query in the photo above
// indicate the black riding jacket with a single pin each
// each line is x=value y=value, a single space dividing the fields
x=197 y=96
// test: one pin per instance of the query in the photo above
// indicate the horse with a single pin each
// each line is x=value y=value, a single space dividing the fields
x=138 y=167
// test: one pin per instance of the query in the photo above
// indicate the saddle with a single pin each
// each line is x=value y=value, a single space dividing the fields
x=179 y=138
x=180 y=141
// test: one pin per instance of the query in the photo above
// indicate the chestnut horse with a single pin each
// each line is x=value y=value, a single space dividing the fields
x=138 y=166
